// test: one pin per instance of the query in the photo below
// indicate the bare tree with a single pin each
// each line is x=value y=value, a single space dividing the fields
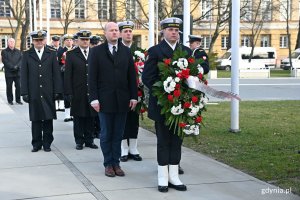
x=260 y=13
x=298 y=36
x=285 y=10
x=18 y=11
x=68 y=9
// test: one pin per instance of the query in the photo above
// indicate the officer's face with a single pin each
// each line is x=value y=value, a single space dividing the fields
x=55 y=43
x=171 y=34
x=39 y=43
x=83 y=43
x=127 y=35
x=111 y=32
x=68 y=42
x=194 y=45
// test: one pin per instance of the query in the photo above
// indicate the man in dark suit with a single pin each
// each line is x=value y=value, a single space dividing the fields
x=61 y=56
x=113 y=91
x=11 y=58
x=168 y=143
x=55 y=43
x=129 y=142
x=76 y=91
x=198 y=52
x=40 y=85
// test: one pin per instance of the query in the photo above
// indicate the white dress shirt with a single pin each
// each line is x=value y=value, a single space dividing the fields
x=172 y=46
x=87 y=52
x=39 y=52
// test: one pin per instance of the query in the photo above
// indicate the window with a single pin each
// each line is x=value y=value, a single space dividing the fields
x=131 y=9
x=206 y=11
x=224 y=41
x=3 y=39
x=265 y=41
x=103 y=9
x=4 y=9
x=55 y=6
x=28 y=42
x=246 y=11
x=245 y=41
x=285 y=10
x=266 y=8
x=79 y=9
x=283 y=41
x=206 y=41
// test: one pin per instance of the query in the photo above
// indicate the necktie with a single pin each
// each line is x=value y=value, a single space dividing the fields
x=85 y=53
x=39 y=51
x=114 y=51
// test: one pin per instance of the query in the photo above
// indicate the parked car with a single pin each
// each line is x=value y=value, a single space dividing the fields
x=263 y=57
x=285 y=63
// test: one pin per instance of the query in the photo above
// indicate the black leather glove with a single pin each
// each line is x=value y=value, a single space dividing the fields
x=25 y=98
x=69 y=98
x=57 y=96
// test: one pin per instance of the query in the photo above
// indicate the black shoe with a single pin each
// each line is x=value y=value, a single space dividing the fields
x=124 y=158
x=19 y=102
x=10 y=103
x=135 y=157
x=92 y=146
x=79 y=146
x=177 y=187
x=47 y=149
x=180 y=170
x=35 y=149
x=163 y=188
x=62 y=110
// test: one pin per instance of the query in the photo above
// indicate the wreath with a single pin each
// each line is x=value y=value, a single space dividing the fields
x=181 y=105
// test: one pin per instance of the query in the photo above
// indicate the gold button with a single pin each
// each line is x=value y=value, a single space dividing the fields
x=41 y=86
x=40 y=75
x=41 y=96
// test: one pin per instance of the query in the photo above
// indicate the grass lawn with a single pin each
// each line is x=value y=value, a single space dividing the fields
x=274 y=73
x=267 y=146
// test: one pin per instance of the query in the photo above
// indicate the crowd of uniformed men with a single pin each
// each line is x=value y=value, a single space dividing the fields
x=94 y=83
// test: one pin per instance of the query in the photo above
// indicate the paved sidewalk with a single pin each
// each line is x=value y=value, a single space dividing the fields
x=68 y=174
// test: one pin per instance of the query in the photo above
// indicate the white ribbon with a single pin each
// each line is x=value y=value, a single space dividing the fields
x=194 y=83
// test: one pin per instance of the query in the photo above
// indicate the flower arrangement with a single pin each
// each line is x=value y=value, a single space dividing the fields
x=182 y=106
x=139 y=59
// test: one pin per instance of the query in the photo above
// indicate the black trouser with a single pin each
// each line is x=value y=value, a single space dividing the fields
x=83 y=129
x=132 y=125
x=168 y=145
x=42 y=133
x=9 y=93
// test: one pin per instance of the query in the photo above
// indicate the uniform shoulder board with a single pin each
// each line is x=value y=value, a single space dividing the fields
x=25 y=50
x=201 y=49
x=52 y=49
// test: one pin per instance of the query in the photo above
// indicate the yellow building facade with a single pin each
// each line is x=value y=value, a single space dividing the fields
x=94 y=14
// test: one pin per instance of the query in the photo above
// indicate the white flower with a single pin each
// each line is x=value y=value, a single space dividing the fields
x=140 y=55
x=200 y=69
x=169 y=84
x=182 y=63
x=177 y=110
x=177 y=79
x=194 y=110
x=191 y=129
x=204 y=100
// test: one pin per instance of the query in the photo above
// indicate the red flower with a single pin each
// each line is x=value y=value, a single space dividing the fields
x=186 y=104
x=200 y=76
x=140 y=63
x=177 y=93
x=167 y=61
x=170 y=98
x=205 y=82
x=177 y=86
x=143 y=110
x=194 y=99
x=179 y=75
x=198 y=119
x=185 y=73
x=182 y=124
x=191 y=60
x=140 y=93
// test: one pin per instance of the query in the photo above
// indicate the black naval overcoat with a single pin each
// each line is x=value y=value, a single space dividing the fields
x=151 y=74
x=75 y=84
x=40 y=80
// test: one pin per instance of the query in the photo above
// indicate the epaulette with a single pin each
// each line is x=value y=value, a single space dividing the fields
x=52 y=49
x=26 y=50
